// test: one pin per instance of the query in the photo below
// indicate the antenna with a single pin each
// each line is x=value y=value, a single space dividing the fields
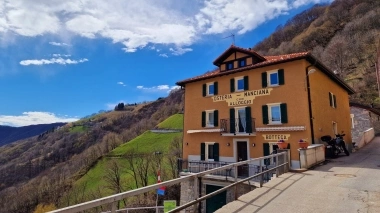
x=231 y=36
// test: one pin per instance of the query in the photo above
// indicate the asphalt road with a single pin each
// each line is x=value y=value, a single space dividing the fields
x=345 y=184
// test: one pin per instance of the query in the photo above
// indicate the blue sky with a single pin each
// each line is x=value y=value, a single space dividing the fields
x=63 y=60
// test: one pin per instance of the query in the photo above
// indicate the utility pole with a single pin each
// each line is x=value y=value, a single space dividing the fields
x=377 y=66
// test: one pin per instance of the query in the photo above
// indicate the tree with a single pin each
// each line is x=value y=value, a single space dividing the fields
x=113 y=178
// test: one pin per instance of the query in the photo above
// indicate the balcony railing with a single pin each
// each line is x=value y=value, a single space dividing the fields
x=238 y=125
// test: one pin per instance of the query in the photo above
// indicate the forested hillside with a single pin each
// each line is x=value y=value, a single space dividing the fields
x=343 y=35
x=40 y=170
x=9 y=134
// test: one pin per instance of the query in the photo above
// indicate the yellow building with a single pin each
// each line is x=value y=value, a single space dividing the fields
x=250 y=102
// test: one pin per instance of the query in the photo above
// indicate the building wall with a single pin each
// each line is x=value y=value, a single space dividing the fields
x=323 y=114
x=292 y=93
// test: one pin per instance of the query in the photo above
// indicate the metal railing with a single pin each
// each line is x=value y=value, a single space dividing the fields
x=277 y=169
x=238 y=125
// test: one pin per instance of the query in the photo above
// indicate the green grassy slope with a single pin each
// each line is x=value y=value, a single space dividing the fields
x=148 y=142
x=173 y=122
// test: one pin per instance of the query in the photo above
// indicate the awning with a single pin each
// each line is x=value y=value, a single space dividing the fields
x=283 y=128
x=203 y=130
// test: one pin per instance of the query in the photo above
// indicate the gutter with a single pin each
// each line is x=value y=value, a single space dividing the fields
x=309 y=101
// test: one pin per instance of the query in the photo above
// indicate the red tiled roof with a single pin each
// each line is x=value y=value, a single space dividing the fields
x=269 y=61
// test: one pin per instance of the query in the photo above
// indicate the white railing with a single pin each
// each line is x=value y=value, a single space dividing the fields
x=114 y=199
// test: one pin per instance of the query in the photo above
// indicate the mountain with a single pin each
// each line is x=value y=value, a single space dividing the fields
x=42 y=169
x=344 y=35
x=10 y=134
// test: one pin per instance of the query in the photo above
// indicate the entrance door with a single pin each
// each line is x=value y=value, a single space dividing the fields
x=216 y=202
x=242 y=156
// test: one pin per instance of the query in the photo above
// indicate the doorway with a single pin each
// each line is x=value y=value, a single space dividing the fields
x=216 y=202
x=242 y=155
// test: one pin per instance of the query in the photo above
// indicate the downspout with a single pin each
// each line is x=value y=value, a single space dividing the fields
x=309 y=101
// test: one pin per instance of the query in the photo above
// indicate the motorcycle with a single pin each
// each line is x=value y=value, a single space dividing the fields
x=338 y=145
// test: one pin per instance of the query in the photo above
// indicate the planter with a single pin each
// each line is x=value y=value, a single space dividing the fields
x=282 y=145
x=303 y=145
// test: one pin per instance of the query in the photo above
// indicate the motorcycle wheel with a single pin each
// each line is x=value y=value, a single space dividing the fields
x=345 y=150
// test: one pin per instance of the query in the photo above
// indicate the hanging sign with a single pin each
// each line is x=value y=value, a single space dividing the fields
x=241 y=98
x=276 y=137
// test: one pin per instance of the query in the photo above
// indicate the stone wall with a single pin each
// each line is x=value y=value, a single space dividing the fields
x=189 y=192
x=362 y=122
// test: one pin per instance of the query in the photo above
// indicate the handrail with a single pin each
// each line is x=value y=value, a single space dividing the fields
x=222 y=189
x=112 y=199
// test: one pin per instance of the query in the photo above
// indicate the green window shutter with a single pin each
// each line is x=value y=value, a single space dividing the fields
x=281 y=78
x=204 y=90
x=246 y=86
x=264 y=79
x=215 y=88
x=284 y=113
x=203 y=150
x=334 y=98
x=216 y=118
x=330 y=98
x=216 y=151
x=266 y=153
x=248 y=120
x=232 y=84
x=265 y=114
x=232 y=120
x=203 y=119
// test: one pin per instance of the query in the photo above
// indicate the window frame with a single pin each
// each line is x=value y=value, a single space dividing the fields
x=332 y=100
x=208 y=112
x=230 y=63
x=207 y=146
x=208 y=89
x=237 y=85
x=270 y=122
x=240 y=60
x=269 y=79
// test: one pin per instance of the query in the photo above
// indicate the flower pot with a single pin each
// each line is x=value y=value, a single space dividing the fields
x=303 y=145
x=282 y=145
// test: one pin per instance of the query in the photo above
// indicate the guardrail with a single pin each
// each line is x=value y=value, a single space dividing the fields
x=114 y=199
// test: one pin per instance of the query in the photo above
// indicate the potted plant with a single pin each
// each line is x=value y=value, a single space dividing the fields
x=303 y=144
x=282 y=144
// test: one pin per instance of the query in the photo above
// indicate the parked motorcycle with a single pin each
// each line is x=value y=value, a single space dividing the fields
x=338 y=145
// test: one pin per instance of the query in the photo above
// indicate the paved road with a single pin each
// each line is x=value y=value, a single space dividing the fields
x=345 y=184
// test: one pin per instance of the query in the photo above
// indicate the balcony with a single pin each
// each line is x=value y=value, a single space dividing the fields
x=238 y=126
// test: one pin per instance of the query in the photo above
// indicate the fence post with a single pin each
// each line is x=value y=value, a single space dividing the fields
x=113 y=207
x=277 y=171
x=261 y=176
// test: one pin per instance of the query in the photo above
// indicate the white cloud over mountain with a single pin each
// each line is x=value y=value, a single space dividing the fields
x=159 y=88
x=30 y=118
x=136 y=24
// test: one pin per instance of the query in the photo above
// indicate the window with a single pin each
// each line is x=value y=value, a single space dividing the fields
x=210 y=89
x=210 y=118
x=230 y=65
x=335 y=128
x=242 y=63
x=275 y=113
x=239 y=84
x=210 y=151
x=273 y=78
x=241 y=120
x=332 y=99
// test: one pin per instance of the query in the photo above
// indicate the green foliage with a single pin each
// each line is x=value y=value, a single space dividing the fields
x=148 y=142
x=78 y=129
x=173 y=122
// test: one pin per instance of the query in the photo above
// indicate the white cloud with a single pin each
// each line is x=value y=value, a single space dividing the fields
x=139 y=24
x=30 y=118
x=164 y=55
x=59 y=60
x=60 y=55
x=58 y=44
x=121 y=83
x=159 y=88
